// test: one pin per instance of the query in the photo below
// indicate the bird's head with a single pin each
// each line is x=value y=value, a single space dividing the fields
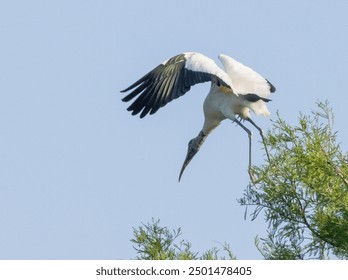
x=193 y=147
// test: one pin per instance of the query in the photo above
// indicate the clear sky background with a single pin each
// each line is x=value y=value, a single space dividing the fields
x=77 y=171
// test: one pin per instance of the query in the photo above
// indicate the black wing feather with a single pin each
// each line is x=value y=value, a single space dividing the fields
x=271 y=87
x=163 y=84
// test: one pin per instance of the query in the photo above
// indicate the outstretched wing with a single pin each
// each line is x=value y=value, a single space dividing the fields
x=245 y=80
x=172 y=79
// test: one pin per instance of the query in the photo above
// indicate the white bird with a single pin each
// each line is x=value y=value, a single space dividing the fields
x=234 y=92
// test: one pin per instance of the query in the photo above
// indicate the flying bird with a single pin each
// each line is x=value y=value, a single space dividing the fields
x=235 y=91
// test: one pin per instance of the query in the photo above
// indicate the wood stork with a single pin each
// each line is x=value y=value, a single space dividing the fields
x=233 y=93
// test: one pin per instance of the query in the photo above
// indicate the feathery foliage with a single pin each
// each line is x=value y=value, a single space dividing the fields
x=303 y=190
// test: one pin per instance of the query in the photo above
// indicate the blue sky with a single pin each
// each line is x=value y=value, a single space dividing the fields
x=77 y=171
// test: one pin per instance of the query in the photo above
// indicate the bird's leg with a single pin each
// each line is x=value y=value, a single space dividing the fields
x=193 y=148
x=262 y=136
x=250 y=135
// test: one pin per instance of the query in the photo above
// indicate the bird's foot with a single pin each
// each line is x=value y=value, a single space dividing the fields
x=252 y=176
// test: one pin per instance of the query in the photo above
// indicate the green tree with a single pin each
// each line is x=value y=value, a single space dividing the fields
x=302 y=190
x=153 y=242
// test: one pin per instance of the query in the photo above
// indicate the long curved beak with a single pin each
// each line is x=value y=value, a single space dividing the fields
x=190 y=154
x=193 y=148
